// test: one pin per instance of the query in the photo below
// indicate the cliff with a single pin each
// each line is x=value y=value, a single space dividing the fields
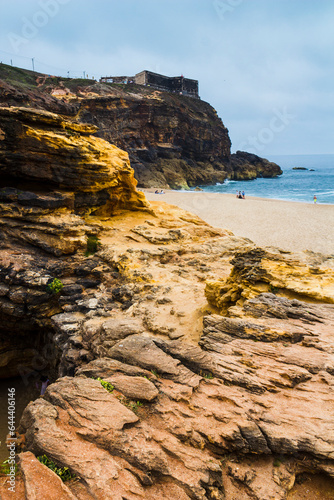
x=172 y=140
x=219 y=361
x=43 y=152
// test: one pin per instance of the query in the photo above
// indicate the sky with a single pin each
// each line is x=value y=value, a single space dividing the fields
x=266 y=66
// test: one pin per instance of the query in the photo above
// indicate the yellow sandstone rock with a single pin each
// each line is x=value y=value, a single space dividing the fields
x=258 y=271
x=43 y=151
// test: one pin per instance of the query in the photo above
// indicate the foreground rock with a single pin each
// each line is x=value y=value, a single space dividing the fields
x=225 y=406
x=220 y=371
x=257 y=271
x=253 y=389
x=51 y=487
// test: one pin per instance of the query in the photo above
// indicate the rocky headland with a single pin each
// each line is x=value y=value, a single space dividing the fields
x=219 y=355
x=172 y=140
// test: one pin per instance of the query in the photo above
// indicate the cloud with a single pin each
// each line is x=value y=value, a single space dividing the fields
x=259 y=56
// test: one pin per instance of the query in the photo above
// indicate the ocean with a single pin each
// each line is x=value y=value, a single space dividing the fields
x=293 y=185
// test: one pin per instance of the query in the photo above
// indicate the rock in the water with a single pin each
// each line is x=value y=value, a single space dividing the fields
x=246 y=166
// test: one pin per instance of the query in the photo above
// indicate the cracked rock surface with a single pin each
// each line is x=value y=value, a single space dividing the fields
x=218 y=356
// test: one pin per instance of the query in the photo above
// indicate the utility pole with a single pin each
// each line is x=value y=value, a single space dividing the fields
x=11 y=62
x=84 y=74
x=33 y=64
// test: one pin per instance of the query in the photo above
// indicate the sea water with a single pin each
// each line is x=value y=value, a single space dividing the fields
x=293 y=185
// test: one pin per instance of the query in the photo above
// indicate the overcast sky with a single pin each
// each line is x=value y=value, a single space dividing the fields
x=266 y=66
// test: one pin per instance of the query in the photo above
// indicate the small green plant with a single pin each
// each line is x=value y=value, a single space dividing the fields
x=55 y=286
x=132 y=405
x=93 y=244
x=63 y=472
x=106 y=385
x=155 y=373
x=5 y=468
x=273 y=289
x=207 y=375
x=277 y=462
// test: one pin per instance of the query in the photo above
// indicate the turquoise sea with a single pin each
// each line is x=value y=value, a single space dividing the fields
x=293 y=185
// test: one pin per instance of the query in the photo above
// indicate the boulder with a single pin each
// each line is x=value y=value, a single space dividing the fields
x=257 y=270
x=134 y=387
x=247 y=166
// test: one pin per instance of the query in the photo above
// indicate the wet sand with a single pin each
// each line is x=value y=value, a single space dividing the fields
x=292 y=226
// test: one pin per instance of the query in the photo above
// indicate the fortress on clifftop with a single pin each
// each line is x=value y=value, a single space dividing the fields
x=176 y=84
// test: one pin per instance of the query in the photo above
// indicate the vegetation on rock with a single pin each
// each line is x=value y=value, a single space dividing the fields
x=93 y=245
x=63 y=472
x=106 y=385
x=55 y=286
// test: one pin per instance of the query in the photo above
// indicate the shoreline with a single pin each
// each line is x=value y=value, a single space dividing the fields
x=188 y=191
x=290 y=225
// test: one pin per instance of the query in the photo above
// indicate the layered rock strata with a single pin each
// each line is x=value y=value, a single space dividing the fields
x=172 y=140
x=53 y=174
x=42 y=152
x=53 y=171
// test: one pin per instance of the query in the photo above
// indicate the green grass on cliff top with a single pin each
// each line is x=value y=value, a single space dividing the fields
x=14 y=75
x=11 y=74
x=24 y=78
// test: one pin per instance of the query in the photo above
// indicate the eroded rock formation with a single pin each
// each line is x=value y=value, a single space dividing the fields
x=53 y=173
x=220 y=354
x=204 y=405
x=44 y=152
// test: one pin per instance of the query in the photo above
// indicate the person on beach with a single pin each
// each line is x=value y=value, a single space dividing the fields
x=240 y=195
x=243 y=195
x=315 y=198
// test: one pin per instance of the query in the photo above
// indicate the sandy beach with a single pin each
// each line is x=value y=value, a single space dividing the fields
x=289 y=225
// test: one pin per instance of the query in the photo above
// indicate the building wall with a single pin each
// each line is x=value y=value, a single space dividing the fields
x=117 y=79
x=140 y=78
x=177 y=84
x=171 y=84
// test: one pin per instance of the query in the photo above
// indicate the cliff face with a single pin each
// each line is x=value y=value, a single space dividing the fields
x=53 y=174
x=43 y=152
x=172 y=140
